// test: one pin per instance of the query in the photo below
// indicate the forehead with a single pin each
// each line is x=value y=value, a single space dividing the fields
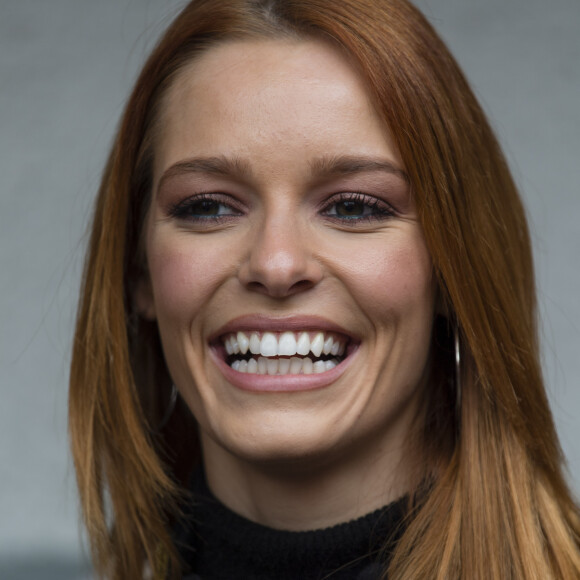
x=257 y=93
x=232 y=65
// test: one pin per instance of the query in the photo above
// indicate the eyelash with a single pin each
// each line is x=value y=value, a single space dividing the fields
x=379 y=209
x=184 y=210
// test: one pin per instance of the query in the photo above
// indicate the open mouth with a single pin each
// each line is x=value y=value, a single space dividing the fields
x=284 y=353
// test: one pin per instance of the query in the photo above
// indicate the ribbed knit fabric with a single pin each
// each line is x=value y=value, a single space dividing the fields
x=217 y=544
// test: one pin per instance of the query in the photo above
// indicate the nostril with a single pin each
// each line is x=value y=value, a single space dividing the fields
x=257 y=287
x=280 y=291
x=301 y=286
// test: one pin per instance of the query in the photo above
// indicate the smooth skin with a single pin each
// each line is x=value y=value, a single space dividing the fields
x=279 y=193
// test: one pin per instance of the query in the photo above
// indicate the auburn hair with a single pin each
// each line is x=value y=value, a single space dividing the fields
x=497 y=505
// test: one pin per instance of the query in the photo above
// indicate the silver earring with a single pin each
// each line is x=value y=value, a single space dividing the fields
x=457 y=377
x=170 y=408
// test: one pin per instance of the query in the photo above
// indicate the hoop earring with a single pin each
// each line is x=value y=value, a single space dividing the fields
x=457 y=378
x=170 y=408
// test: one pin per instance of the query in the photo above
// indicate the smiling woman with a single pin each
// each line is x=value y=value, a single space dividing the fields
x=294 y=236
x=307 y=230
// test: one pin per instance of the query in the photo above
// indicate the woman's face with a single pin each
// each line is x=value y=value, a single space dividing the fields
x=288 y=272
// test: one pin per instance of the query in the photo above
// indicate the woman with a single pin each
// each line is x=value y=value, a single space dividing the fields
x=307 y=229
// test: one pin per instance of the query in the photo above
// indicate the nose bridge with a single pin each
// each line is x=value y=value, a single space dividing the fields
x=280 y=261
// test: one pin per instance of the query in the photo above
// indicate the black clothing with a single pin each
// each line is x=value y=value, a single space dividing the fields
x=217 y=544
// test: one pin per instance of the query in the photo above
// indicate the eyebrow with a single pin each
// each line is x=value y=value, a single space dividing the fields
x=323 y=167
x=348 y=165
x=220 y=166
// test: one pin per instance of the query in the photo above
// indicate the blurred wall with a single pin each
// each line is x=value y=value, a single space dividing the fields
x=66 y=67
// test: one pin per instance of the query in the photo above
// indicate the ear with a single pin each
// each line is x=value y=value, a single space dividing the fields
x=144 y=299
x=441 y=303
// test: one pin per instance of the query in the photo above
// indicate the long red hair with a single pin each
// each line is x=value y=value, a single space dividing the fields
x=497 y=505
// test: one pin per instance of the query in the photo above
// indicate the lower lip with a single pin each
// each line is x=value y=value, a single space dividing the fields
x=281 y=383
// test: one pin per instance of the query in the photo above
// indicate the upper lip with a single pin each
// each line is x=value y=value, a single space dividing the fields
x=265 y=323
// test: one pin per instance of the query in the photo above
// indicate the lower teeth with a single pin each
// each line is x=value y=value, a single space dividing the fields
x=283 y=366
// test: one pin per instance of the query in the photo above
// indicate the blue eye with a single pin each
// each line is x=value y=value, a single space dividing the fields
x=202 y=207
x=357 y=207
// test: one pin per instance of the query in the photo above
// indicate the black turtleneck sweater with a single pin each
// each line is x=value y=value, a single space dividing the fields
x=217 y=544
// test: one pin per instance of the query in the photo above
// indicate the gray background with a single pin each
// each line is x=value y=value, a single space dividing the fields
x=66 y=67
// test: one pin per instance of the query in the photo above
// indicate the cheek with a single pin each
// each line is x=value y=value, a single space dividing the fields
x=392 y=279
x=184 y=276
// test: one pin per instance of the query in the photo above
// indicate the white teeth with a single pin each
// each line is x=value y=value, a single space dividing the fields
x=255 y=343
x=317 y=344
x=269 y=345
x=327 y=345
x=295 y=365
x=283 y=366
x=319 y=366
x=243 y=342
x=287 y=344
x=253 y=366
x=262 y=365
x=303 y=344
x=272 y=365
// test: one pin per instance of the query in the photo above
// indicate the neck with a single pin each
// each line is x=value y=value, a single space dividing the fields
x=306 y=494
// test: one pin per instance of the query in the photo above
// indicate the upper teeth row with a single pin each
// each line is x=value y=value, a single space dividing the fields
x=284 y=344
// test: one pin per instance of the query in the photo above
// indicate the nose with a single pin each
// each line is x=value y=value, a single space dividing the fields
x=280 y=261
